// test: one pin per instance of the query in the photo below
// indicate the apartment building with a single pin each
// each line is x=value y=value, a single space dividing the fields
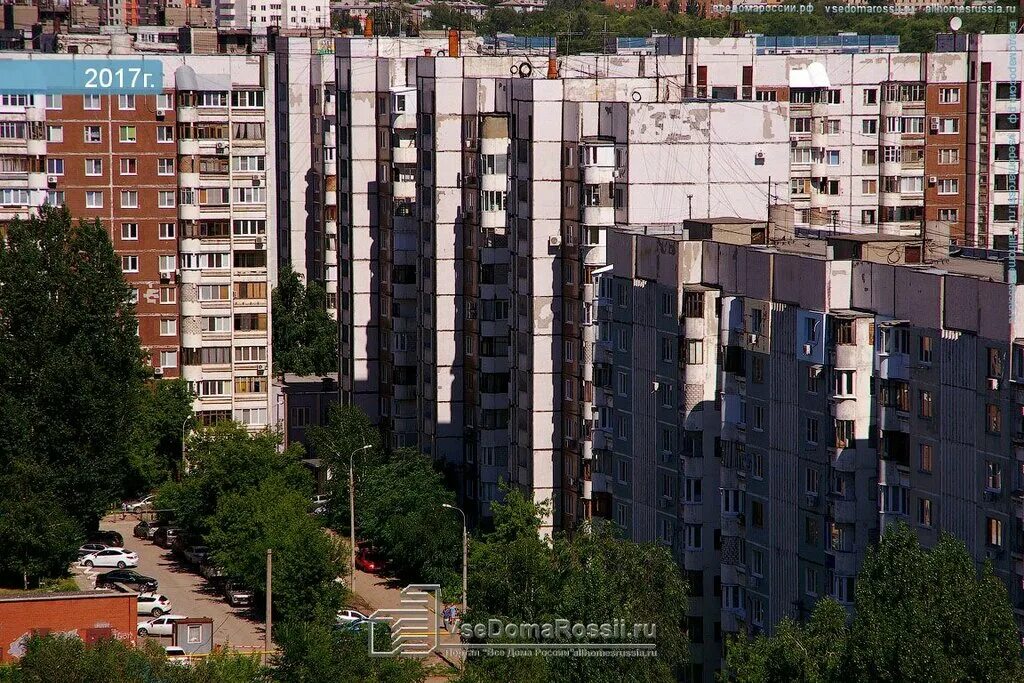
x=180 y=179
x=289 y=14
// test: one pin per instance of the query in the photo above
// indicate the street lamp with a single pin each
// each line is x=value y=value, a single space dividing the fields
x=465 y=555
x=352 y=513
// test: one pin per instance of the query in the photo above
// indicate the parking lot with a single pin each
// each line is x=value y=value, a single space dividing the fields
x=189 y=593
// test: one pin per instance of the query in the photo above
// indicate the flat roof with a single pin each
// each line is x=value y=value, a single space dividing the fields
x=66 y=595
x=870 y=237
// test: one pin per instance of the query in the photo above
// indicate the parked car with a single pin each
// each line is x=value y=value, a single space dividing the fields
x=111 y=557
x=368 y=561
x=237 y=595
x=164 y=536
x=108 y=538
x=161 y=626
x=145 y=530
x=140 y=505
x=320 y=503
x=153 y=604
x=128 y=578
x=347 y=616
x=90 y=548
x=176 y=655
x=195 y=554
x=210 y=570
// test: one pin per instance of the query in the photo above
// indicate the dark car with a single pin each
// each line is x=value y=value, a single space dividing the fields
x=164 y=536
x=109 y=538
x=129 y=578
x=145 y=530
x=237 y=595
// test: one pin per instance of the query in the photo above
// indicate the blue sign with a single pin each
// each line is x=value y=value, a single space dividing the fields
x=81 y=76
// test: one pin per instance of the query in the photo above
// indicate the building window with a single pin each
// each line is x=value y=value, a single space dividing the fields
x=693 y=351
x=129 y=264
x=811 y=430
x=168 y=295
x=994 y=536
x=55 y=166
x=54 y=101
x=949 y=186
x=129 y=231
x=168 y=359
x=168 y=327
x=126 y=102
x=93 y=200
x=949 y=126
x=949 y=95
x=129 y=199
x=93 y=134
x=949 y=215
x=811 y=581
x=869 y=157
x=844 y=382
x=993 y=419
x=90 y=102
x=812 y=380
x=845 y=434
x=949 y=156
x=870 y=95
x=167 y=263
x=168 y=231
x=926 y=456
x=55 y=133
x=94 y=167
x=129 y=166
x=165 y=199
x=165 y=133
x=129 y=134
x=993 y=476
x=869 y=126
x=926 y=405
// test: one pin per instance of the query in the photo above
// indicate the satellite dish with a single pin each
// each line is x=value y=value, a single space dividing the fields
x=956 y=23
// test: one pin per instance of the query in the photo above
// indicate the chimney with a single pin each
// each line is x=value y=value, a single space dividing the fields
x=453 y=43
x=552 y=67
x=368 y=28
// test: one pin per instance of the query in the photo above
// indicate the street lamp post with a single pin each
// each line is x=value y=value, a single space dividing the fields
x=352 y=513
x=465 y=555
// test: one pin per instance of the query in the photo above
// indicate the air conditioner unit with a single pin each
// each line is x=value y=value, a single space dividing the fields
x=165 y=277
x=222 y=148
x=257 y=181
x=161 y=113
x=808 y=348
x=993 y=384
x=935 y=123
x=158 y=372
x=51 y=180
x=753 y=338
x=932 y=180
x=555 y=241
x=260 y=244
x=261 y=370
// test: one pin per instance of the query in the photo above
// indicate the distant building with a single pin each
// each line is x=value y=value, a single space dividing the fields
x=90 y=615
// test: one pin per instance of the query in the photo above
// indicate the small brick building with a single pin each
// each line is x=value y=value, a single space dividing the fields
x=91 y=615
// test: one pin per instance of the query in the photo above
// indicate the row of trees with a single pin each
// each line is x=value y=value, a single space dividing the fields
x=82 y=423
x=590 y=22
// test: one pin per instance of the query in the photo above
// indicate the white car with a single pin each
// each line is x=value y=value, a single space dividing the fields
x=161 y=626
x=111 y=557
x=153 y=604
x=140 y=505
x=348 y=616
x=176 y=655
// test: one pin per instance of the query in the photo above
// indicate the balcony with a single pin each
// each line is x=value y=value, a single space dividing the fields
x=405 y=154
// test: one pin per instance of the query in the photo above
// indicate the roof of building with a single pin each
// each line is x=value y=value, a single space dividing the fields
x=34 y=596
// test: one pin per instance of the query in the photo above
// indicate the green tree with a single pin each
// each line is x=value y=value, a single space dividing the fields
x=157 y=432
x=919 y=615
x=590 y=577
x=310 y=653
x=306 y=560
x=65 y=659
x=304 y=334
x=225 y=459
x=38 y=537
x=398 y=508
x=71 y=373
x=348 y=429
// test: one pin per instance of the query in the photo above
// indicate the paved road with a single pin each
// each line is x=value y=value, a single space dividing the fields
x=189 y=592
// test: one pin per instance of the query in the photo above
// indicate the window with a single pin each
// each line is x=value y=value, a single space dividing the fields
x=993 y=419
x=251 y=99
x=812 y=380
x=949 y=156
x=90 y=102
x=623 y=471
x=801 y=124
x=949 y=186
x=757 y=369
x=168 y=230
x=570 y=351
x=93 y=134
x=869 y=157
x=213 y=293
x=757 y=514
x=844 y=383
x=949 y=126
x=693 y=305
x=949 y=95
x=757 y=415
x=168 y=359
x=249 y=195
x=949 y=215
x=165 y=199
x=251 y=416
x=845 y=434
x=129 y=231
x=55 y=133
x=126 y=102
x=911 y=184
x=869 y=126
x=893 y=499
x=243 y=354
x=757 y=465
x=870 y=96
x=667 y=349
x=167 y=263
x=55 y=166
x=129 y=264
x=129 y=199
x=832 y=157
x=757 y=563
x=165 y=133
x=165 y=166
x=811 y=581
x=129 y=133
x=832 y=127
x=54 y=101
x=93 y=200
x=168 y=295
x=869 y=186
x=248 y=164
x=926 y=456
x=168 y=327
x=129 y=166
x=692 y=536
x=811 y=430
x=994 y=536
x=892 y=153
x=55 y=198
x=993 y=476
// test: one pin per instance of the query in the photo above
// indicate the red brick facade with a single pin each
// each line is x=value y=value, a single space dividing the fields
x=92 y=615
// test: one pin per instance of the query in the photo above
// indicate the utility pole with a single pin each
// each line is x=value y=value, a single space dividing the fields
x=465 y=556
x=689 y=200
x=352 y=515
x=270 y=617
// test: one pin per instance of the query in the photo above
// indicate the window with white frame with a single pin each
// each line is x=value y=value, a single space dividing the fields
x=165 y=166
x=129 y=166
x=949 y=95
x=129 y=199
x=165 y=199
x=129 y=263
x=93 y=199
x=167 y=263
x=90 y=102
x=55 y=133
x=168 y=327
x=168 y=231
x=949 y=186
x=168 y=359
x=94 y=167
x=93 y=134
x=129 y=231
x=129 y=133
x=126 y=102
x=55 y=166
